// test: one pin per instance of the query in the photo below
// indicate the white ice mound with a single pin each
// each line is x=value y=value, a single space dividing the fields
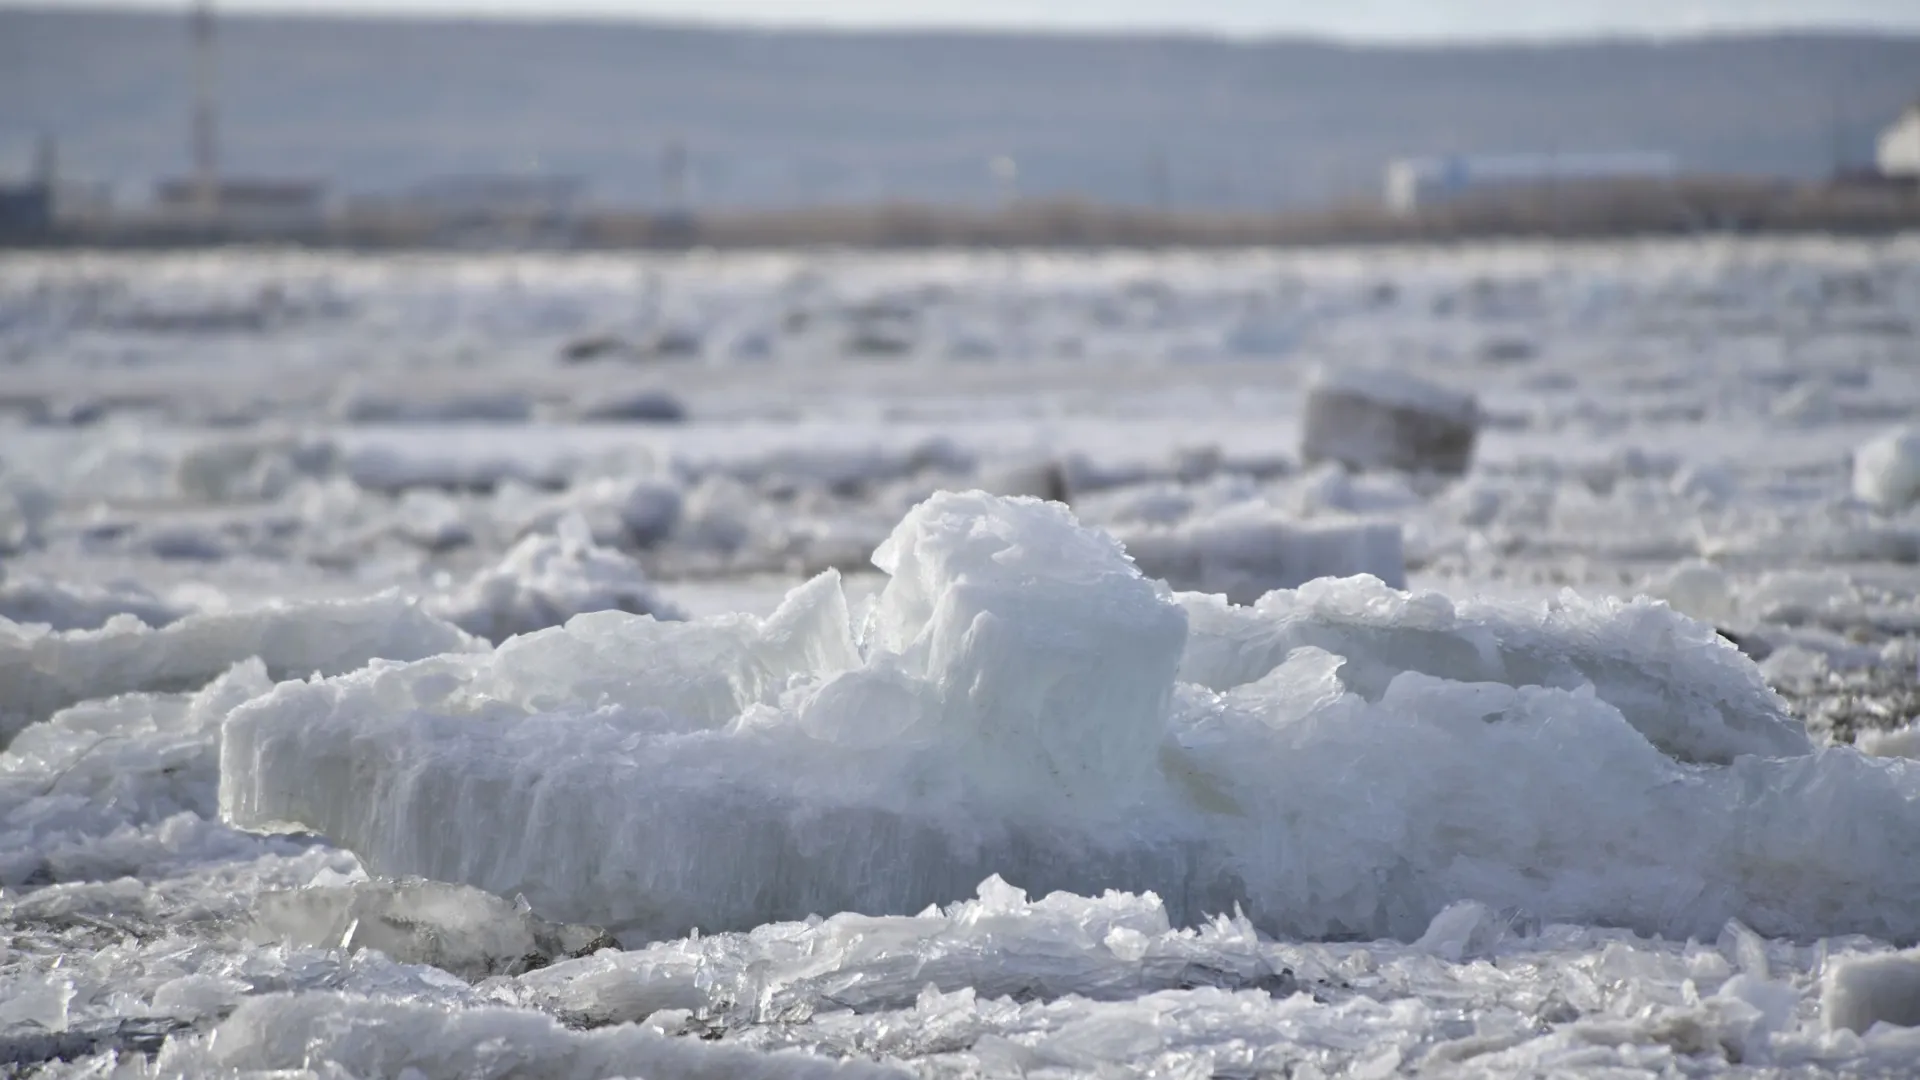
x=1886 y=471
x=42 y=671
x=1049 y=657
x=1679 y=683
x=548 y=578
x=1016 y=708
x=1247 y=551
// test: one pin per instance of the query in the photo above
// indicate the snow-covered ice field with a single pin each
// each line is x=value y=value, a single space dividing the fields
x=588 y=666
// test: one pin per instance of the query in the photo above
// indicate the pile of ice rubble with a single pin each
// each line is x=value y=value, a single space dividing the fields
x=1343 y=759
x=1479 y=789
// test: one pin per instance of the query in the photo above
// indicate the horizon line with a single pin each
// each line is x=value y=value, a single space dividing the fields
x=310 y=10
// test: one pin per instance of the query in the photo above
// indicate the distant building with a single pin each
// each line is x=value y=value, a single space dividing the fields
x=489 y=197
x=25 y=209
x=1899 y=150
x=245 y=203
x=1417 y=183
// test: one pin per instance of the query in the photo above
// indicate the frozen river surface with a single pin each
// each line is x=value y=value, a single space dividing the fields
x=581 y=666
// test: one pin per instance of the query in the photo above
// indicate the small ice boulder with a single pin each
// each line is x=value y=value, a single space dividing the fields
x=546 y=579
x=1247 y=551
x=1886 y=471
x=1858 y=992
x=1369 y=419
x=456 y=928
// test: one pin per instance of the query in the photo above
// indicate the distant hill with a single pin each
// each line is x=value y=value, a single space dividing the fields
x=781 y=118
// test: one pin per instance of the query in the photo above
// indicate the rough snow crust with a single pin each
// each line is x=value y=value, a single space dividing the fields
x=1342 y=760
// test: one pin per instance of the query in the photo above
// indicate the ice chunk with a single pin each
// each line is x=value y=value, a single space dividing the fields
x=1368 y=419
x=1677 y=681
x=1052 y=656
x=1886 y=471
x=453 y=927
x=633 y=406
x=546 y=580
x=1378 y=755
x=432 y=520
x=1248 y=550
x=1900 y=742
x=1858 y=992
x=60 y=605
x=224 y=470
x=1111 y=947
x=353 y=1035
x=41 y=672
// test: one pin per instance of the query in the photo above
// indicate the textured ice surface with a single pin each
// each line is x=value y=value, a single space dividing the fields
x=546 y=579
x=42 y=671
x=1366 y=756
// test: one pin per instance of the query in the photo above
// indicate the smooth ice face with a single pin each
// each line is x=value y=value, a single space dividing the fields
x=1369 y=756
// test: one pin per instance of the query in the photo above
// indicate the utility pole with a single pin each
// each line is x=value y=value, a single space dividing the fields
x=205 y=135
x=1159 y=180
x=673 y=175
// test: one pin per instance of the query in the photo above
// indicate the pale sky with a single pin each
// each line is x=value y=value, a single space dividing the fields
x=1366 y=19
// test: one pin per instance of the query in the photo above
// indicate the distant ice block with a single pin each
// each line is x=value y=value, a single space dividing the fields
x=1858 y=992
x=1344 y=759
x=1371 y=419
x=1886 y=471
x=547 y=579
x=1247 y=551
x=41 y=671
